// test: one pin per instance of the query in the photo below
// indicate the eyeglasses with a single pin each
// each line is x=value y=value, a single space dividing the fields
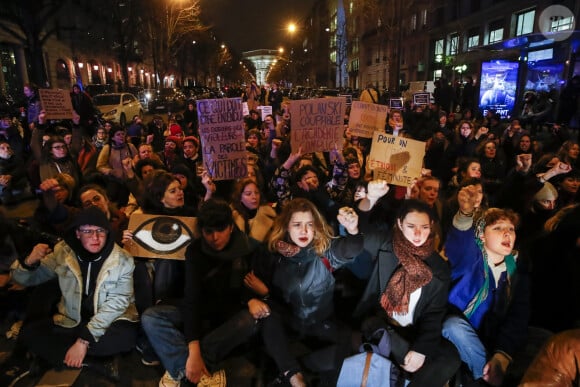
x=100 y=232
x=59 y=147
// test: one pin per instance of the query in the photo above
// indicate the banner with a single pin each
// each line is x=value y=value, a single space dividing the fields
x=365 y=118
x=223 y=140
x=56 y=103
x=398 y=160
x=317 y=124
x=165 y=237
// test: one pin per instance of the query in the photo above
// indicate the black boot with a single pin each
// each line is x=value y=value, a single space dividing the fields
x=105 y=366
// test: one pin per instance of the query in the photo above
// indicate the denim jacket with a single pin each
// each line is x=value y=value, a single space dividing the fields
x=113 y=298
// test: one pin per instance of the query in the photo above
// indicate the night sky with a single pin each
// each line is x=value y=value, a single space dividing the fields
x=253 y=24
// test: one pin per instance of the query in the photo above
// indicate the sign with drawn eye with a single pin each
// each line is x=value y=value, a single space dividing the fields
x=165 y=237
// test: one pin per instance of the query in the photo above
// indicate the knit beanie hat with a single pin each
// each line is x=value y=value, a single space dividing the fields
x=547 y=192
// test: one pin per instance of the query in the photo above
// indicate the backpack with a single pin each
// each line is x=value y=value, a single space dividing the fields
x=371 y=367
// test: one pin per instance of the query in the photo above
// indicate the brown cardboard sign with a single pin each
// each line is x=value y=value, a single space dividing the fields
x=223 y=140
x=158 y=236
x=367 y=117
x=56 y=103
x=317 y=124
x=398 y=160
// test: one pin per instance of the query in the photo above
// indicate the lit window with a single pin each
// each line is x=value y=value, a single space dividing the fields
x=414 y=22
x=452 y=44
x=525 y=22
x=561 y=23
x=473 y=38
x=495 y=31
x=424 y=17
x=439 y=47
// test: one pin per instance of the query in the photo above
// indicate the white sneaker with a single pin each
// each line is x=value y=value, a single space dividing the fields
x=217 y=379
x=168 y=381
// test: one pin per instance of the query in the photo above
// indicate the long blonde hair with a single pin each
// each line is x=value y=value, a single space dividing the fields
x=322 y=232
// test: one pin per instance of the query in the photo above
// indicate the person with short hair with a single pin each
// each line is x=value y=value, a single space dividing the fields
x=96 y=316
x=215 y=266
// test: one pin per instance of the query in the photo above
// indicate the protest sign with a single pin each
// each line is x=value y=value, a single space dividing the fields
x=165 y=237
x=317 y=125
x=396 y=103
x=421 y=98
x=245 y=109
x=223 y=140
x=266 y=110
x=398 y=160
x=366 y=117
x=56 y=103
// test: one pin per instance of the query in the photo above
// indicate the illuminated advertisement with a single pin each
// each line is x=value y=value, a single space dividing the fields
x=498 y=88
x=544 y=77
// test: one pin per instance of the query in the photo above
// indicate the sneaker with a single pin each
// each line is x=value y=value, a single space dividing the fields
x=148 y=356
x=217 y=379
x=168 y=381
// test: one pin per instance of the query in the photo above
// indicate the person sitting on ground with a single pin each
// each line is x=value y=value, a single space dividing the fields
x=489 y=298
x=215 y=266
x=410 y=281
x=96 y=316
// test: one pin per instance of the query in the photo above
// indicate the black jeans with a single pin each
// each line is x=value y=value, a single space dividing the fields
x=51 y=342
x=280 y=327
x=437 y=368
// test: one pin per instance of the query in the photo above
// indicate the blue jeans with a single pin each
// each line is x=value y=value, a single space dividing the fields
x=163 y=326
x=471 y=351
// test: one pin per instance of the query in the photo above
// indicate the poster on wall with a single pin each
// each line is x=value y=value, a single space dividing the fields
x=498 y=88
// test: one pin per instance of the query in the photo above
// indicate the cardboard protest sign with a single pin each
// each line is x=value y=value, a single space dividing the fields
x=223 y=140
x=245 y=109
x=398 y=160
x=317 y=124
x=421 y=98
x=165 y=237
x=396 y=103
x=366 y=117
x=56 y=103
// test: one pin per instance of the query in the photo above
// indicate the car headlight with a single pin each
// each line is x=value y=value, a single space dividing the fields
x=111 y=113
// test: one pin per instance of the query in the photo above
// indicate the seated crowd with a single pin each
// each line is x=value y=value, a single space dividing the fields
x=308 y=248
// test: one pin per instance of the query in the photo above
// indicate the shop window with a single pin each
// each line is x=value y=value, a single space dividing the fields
x=525 y=22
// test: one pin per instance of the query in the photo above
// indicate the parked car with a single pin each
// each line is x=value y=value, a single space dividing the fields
x=118 y=107
x=167 y=100
x=138 y=92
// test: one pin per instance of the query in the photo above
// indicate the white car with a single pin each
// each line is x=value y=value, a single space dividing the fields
x=118 y=107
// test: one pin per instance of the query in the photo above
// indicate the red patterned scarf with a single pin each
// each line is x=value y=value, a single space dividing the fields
x=411 y=274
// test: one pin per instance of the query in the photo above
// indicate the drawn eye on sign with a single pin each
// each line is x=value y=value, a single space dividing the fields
x=165 y=237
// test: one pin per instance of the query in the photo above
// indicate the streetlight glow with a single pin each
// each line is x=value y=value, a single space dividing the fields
x=291 y=28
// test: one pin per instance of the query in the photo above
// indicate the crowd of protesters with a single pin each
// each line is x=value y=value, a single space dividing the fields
x=307 y=248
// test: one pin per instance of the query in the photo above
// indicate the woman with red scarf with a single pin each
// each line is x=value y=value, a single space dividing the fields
x=410 y=281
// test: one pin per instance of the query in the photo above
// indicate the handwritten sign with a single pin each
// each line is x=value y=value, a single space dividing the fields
x=56 y=103
x=266 y=110
x=396 y=103
x=222 y=138
x=348 y=98
x=367 y=117
x=156 y=236
x=398 y=160
x=317 y=124
x=421 y=98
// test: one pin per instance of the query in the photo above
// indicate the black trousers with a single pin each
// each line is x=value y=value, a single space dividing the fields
x=51 y=342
